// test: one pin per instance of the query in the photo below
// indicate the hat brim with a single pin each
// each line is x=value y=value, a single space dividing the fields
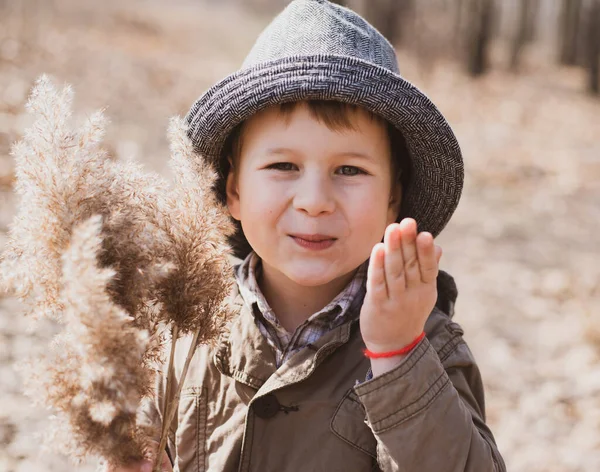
x=437 y=167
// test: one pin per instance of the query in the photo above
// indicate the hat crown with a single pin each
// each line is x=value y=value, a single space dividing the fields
x=319 y=27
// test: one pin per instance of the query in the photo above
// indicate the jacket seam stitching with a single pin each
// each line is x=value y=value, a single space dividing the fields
x=251 y=443
x=205 y=427
x=443 y=352
x=346 y=440
x=198 y=433
x=246 y=378
x=405 y=407
x=450 y=347
x=246 y=456
x=416 y=412
x=400 y=373
x=191 y=391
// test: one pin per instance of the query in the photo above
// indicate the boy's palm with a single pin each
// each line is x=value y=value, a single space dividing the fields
x=401 y=287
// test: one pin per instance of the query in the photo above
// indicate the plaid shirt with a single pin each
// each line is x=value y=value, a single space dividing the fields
x=284 y=343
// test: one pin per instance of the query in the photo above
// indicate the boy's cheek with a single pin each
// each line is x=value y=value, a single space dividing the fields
x=263 y=198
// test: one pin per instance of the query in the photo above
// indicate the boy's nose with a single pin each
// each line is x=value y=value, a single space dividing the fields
x=314 y=196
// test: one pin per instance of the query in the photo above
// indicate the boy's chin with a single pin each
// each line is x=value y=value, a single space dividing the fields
x=313 y=276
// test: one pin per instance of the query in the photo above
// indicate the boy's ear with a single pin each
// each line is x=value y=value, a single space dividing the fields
x=232 y=191
x=395 y=203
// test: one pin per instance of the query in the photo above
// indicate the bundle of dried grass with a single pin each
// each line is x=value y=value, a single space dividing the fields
x=62 y=178
x=94 y=373
x=193 y=296
x=155 y=257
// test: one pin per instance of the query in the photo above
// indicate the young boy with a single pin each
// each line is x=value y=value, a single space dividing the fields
x=343 y=355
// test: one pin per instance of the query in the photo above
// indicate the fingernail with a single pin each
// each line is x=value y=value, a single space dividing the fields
x=147 y=467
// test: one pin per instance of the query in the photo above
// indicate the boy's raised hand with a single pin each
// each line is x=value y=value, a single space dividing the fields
x=401 y=290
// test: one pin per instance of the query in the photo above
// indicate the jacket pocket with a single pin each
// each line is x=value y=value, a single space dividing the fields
x=190 y=437
x=348 y=424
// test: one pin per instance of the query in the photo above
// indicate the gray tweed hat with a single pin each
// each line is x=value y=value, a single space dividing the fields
x=317 y=50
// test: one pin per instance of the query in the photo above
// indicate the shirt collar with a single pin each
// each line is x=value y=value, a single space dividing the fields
x=347 y=301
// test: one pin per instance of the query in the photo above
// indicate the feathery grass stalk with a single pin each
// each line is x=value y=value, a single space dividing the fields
x=170 y=373
x=154 y=255
x=63 y=178
x=196 y=227
x=94 y=375
x=49 y=152
x=170 y=411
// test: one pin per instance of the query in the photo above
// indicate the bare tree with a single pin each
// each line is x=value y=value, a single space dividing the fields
x=525 y=30
x=458 y=20
x=388 y=16
x=479 y=29
x=593 y=47
x=569 y=28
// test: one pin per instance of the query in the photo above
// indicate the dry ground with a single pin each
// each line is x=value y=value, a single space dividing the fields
x=523 y=245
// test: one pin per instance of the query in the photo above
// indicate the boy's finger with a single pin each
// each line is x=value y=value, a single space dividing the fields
x=409 y=251
x=376 y=284
x=428 y=261
x=394 y=261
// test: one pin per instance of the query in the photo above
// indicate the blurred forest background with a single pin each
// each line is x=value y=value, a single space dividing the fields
x=517 y=80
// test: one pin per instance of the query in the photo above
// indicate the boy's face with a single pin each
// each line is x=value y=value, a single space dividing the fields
x=312 y=201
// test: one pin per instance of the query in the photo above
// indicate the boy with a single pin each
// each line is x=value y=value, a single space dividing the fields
x=340 y=357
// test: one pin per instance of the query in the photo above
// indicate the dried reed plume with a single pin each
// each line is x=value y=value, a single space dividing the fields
x=195 y=228
x=62 y=178
x=154 y=258
x=94 y=373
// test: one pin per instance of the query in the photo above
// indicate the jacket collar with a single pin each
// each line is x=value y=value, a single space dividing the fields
x=244 y=354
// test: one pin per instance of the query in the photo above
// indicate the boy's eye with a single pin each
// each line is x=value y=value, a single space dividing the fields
x=350 y=170
x=282 y=166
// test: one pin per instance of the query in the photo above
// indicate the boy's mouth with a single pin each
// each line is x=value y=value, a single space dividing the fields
x=313 y=241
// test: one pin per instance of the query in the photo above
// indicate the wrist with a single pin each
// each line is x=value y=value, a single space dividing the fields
x=376 y=351
x=384 y=361
x=385 y=364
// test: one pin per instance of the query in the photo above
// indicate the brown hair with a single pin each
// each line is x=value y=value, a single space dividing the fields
x=336 y=116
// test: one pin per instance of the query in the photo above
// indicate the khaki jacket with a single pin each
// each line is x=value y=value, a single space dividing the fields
x=238 y=412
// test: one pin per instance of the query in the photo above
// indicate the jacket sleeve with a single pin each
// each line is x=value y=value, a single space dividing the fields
x=428 y=413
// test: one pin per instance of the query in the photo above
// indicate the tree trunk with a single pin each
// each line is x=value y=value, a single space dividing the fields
x=593 y=48
x=479 y=33
x=387 y=16
x=532 y=17
x=458 y=21
x=525 y=31
x=570 y=20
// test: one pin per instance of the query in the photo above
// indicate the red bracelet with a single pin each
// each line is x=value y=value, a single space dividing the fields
x=399 y=352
